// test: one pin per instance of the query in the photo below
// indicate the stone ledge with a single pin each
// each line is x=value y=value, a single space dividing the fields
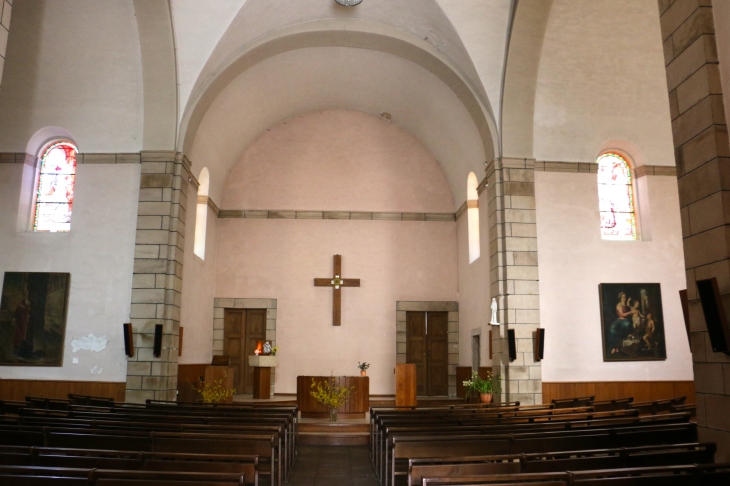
x=332 y=215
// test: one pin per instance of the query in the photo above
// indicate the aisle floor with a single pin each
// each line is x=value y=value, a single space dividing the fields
x=333 y=465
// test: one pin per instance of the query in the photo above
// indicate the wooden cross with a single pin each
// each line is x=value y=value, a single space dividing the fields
x=337 y=282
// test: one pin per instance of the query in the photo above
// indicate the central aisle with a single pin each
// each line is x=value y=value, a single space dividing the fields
x=333 y=465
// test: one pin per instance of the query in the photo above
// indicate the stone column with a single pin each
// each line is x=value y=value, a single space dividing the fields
x=514 y=275
x=702 y=155
x=157 y=281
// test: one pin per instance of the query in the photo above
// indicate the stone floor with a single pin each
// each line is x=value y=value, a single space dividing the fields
x=333 y=465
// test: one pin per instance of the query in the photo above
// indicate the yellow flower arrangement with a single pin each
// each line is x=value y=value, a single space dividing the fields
x=329 y=394
x=213 y=391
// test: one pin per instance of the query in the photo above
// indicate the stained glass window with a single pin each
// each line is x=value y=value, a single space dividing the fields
x=616 y=198
x=55 y=196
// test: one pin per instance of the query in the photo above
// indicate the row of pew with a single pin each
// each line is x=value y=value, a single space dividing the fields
x=575 y=441
x=92 y=440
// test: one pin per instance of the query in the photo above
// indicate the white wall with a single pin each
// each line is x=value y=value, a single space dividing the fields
x=574 y=261
x=602 y=78
x=75 y=64
x=474 y=290
x=198 y=290
x=336 y=161
x=99 y=254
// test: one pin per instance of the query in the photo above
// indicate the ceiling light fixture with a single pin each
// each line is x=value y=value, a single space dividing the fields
x=349 y=3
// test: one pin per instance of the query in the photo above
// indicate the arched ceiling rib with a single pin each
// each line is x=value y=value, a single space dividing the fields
x=415 y=40
x=520 y=79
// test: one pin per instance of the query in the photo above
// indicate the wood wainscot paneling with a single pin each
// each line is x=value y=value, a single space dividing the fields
x=355 y=407
x=187 y=375
x=17 y=390
x=642 y=391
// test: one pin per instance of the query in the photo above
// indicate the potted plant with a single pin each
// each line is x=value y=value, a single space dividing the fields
x=331 y=395
x=485 y=387
x=363 y=366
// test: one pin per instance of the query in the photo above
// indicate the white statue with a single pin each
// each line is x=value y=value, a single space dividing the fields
x=494 y=320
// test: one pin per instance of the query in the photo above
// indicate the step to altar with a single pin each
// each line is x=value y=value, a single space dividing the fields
x=342 y=432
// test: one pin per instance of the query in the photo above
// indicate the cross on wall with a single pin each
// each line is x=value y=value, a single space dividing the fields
x=337 y=282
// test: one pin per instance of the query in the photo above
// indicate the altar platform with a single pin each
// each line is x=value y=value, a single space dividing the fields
x=375 y=400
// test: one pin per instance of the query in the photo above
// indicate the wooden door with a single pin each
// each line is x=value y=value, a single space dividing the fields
x=427 y=348
x=437 y=357
x=416 y=347
x=244 y=328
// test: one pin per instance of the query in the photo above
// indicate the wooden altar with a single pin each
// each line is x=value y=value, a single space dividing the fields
x=355 y=407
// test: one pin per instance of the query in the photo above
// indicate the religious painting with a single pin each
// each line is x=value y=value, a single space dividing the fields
x=632 y=322
x=33 y=311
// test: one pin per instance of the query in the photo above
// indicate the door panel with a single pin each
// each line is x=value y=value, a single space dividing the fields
x=437 y=338
x=255 y=332
x=416 y=347
x=233 y=320
x=243 y=329
x=427 y=347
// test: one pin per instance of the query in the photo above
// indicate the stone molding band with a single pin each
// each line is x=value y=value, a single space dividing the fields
x=350 y=215
x=592 y=167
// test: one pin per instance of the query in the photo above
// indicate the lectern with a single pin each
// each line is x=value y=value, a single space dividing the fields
x=405 y=385
x=219 y=370
x=262 y=375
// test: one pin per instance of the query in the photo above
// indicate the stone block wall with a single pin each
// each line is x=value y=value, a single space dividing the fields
x=702 y=155
x=514 y=275
x=157 y=280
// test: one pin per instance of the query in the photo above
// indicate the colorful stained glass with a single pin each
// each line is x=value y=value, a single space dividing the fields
x=54 y=199
x=616 y=198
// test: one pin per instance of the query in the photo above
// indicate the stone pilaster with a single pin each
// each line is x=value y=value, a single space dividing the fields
x=702 y=155
x=514 y=275
x=157 y=281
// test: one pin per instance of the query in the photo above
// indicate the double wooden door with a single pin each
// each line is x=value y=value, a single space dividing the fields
x=244 y=328
x=427 y=347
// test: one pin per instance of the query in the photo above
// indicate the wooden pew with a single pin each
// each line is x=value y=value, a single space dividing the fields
x=689 y=475
x=23 y=475
x=404 y=448
x=124 y=460
x=381 y=462
x=658 y=406
x=573 y=402
x=285 y=448
x=616 y=404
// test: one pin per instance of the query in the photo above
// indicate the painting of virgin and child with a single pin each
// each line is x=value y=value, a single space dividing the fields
x=632 y=322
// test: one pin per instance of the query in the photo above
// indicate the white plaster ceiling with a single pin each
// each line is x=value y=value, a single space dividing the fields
x=423 y=19
x=366 y=80
x=597 y=85
x=482 y=26
x=198 y=27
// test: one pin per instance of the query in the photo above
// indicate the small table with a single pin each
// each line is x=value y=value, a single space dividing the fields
x=355 y=407
x=262 y=375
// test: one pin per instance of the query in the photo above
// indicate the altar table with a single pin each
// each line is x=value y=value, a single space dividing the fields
x=355 y=407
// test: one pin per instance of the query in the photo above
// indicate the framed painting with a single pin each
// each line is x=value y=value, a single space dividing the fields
x=33 y=309
x=632 y=322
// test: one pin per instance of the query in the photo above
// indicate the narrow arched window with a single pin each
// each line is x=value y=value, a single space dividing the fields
x=472 y=211
x=55 y=194
x=201 y=215
x=616 y=198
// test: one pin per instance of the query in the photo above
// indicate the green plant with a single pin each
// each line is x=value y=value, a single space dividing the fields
x=213 y=391
x=363 y=366
x=477 y=384
x=329 y=393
